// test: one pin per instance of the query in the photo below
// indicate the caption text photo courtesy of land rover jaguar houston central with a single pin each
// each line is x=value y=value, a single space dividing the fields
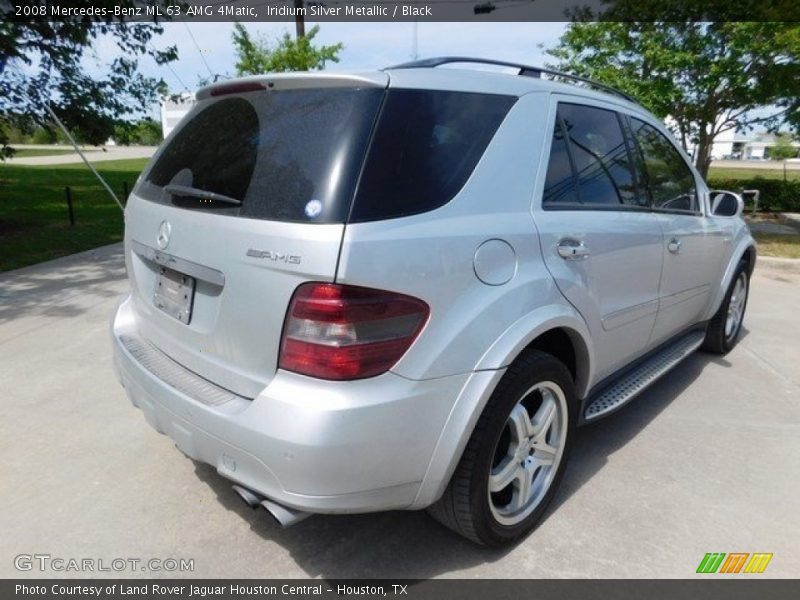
x=405 y=289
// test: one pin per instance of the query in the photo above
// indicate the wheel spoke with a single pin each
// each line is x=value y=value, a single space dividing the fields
x=543 y=452
x=520 y=424
x=523 y=484
x=543 y=419
x=502 y=475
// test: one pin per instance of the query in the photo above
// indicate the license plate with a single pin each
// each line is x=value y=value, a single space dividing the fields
x=174 y=294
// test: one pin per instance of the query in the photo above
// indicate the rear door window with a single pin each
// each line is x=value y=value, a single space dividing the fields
x=425 y=147
x=559 y=185
x=288 y=155
x=604 y=173
x=669 y=179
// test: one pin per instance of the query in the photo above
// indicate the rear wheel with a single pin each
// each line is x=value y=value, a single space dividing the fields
x=516 y=456
x=723 y=329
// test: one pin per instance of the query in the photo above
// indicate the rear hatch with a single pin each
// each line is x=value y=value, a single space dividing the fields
x=245 y=200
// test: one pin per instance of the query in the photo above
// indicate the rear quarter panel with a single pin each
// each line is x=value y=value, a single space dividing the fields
x=431 y=256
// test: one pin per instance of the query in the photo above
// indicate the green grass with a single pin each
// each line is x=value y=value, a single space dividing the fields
x=28 y=152
x=34 y=223
x=728 y=173
x=783 y=245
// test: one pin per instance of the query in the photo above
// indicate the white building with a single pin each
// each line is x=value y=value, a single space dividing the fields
x=737 y=145
x=173 y=109
x=744 y=146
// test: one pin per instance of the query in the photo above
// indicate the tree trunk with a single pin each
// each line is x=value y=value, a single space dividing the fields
x=702 y=159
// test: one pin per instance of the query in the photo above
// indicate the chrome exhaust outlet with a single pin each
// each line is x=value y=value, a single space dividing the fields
x=284 y=515
x=251 y=498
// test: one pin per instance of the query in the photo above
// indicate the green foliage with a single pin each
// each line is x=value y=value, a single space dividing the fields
x=43 y=136
x=776 y=195
x=783 y=148
x=44 y=66
x=708 y=77
x=257 y=56
x=145 y=132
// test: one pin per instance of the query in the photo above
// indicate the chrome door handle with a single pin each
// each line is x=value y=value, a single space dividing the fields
x=674 y=246
x=572 y=250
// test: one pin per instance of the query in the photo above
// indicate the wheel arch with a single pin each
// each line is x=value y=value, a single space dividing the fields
x=564 y=335
x=558 y=330
x=745 y=251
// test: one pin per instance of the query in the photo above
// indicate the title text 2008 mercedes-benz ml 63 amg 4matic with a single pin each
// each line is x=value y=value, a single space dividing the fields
x=404 y=289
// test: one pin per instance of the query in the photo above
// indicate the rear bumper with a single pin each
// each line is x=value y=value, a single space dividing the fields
x=316 y=446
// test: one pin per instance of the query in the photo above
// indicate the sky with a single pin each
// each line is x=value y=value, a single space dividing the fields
x=366 y=45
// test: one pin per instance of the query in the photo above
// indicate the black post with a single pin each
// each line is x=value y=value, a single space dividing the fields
x=299 y=20
x=68 y=190
x=125 y=192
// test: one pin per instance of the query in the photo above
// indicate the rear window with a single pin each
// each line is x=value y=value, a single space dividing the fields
x=425 y=147
x=288 y=155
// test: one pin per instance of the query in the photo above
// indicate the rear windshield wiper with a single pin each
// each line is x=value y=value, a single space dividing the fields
x=185 y=191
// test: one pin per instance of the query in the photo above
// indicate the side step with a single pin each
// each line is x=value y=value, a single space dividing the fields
x=625 y=389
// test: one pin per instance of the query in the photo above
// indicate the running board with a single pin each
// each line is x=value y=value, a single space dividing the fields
x=637 y=380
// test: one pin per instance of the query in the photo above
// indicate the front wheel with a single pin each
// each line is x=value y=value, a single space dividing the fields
x=515 y=459
x=723 y=329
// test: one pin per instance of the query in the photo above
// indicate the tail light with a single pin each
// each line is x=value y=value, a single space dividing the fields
x=345 y=332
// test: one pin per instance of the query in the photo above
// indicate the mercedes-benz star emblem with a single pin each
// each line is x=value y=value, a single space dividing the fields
x=163 y=234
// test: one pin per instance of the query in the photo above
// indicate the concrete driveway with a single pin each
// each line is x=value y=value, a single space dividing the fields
x=707 y=460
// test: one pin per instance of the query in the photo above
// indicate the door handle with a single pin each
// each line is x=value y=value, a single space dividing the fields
x=674 y=246
x=572 y=250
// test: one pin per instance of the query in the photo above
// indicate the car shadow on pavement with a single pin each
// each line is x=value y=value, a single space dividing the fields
x=595 y=442
x=409 y=544
x=396 y=544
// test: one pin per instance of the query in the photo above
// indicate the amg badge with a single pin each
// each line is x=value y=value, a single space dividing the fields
x=290 y=259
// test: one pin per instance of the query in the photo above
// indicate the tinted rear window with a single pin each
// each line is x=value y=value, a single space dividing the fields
x=426 y=145
x=289 y=155
x=600 y=155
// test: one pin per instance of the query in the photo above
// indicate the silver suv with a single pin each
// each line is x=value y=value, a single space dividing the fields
x=405 y=289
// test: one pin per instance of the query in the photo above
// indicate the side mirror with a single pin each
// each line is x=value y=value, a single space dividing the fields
x=726 y=204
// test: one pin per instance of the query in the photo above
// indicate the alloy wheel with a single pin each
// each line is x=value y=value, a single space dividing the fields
x=528 y=453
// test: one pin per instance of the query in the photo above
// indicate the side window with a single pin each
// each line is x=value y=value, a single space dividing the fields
x=559 y=185
x=670 y=180
x=600 y=156
x=425 y=146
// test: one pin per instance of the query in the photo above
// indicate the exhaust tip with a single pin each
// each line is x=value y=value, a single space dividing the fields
x=284 y=515
x=251 y=498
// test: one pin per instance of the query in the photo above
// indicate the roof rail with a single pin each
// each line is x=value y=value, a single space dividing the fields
x=524 y=70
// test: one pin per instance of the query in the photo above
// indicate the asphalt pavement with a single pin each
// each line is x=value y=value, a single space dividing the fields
x=706 y=460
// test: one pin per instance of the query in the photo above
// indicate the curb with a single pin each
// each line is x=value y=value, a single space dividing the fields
x=790 y=265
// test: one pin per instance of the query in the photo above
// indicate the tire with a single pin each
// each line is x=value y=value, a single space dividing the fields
x=722 y=334
x=542 y=387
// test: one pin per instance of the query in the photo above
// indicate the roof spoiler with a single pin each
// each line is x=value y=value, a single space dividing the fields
x=285 y=81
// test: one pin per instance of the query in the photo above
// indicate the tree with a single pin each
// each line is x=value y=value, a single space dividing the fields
x=145 y=132
x=783 y=148
x=707 y=77
x=257 y=56
x=43 y=61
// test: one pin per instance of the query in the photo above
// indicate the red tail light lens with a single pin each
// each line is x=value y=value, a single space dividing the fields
x=345 y=332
